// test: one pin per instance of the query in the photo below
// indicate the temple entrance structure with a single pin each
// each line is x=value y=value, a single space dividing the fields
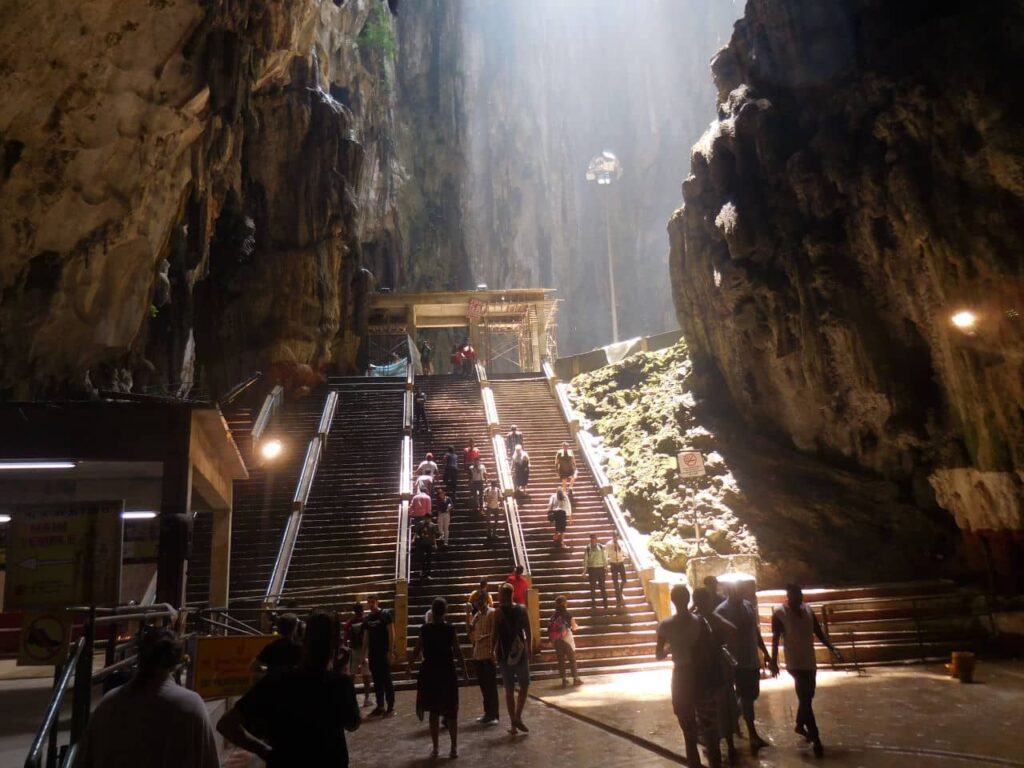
x=512 y=330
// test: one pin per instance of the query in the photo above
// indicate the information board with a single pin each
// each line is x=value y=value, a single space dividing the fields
x=220 y=665
x=66 y=554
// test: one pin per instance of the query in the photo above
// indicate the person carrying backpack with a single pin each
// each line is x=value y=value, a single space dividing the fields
x=511 y=644
x=560 y=632
x=426 y=541
x=595 y=563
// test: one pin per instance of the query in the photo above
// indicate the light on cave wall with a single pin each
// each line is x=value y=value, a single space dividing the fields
x=964 y=320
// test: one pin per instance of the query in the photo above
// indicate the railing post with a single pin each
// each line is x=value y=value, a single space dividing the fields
x=401 y=618
x=81 y=699
x=533 y=611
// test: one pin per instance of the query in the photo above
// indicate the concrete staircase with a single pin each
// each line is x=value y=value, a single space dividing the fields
x=892 y=623
x=261 y=507
x=607 y=639
x=455 y=413
x=345 y=549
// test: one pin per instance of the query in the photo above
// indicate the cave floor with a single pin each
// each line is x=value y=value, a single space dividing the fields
x=891 y=716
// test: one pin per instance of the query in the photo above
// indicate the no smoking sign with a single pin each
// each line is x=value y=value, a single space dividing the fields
x=691 y=464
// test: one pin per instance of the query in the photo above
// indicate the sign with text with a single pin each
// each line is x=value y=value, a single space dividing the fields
x=44 y=638
x=220 y=665
x=691 y=464
x=63 y=554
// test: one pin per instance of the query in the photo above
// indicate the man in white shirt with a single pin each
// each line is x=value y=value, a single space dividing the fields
x=477 y=478
x=797 y=625
x=492 y=501
x=617 y=559
x=150 y=720
x=427 y=467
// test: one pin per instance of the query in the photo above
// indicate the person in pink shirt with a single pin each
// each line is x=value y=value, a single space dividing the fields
x=519 y=586
x=420 y=506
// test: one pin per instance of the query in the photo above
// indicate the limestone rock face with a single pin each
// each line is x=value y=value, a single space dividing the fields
x=185 y=188
x=864 y=183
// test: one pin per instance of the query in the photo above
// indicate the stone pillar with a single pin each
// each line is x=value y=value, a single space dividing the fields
x=220 y=555
x=658 y=595
x=175 y=515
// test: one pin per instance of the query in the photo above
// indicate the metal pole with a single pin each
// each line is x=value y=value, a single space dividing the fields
x=81 y=695
x=611 y=269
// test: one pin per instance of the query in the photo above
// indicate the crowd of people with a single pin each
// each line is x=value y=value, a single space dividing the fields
x=306 y=698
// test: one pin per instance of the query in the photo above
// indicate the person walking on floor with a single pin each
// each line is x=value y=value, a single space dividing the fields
x=561 y=627
x=380 y=651
x=795 y=623
x=520 y=470
x=617 y=559
x=419 y=410
x=559 y=514
x=595 y=563
x=743 y=645
x=443 y=507
x=353 y=633
x=470 y=454
x=477 y=478
x=705 y=602
x=511 y=644
x=150 y=715
x=695 y=674
x=481 y=631
x=451 y=471
x=301 y=714
x=519 y=585
x=437 y=684
x=492 y=503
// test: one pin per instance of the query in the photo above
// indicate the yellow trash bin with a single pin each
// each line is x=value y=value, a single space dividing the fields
x=962 y=666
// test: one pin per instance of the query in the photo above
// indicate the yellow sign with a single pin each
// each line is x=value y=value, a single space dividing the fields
x=63 y=554
x=220 y=665
x=44 y=638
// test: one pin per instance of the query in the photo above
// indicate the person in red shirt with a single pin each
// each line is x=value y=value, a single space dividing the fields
x=519 y=586
x=420 y=506
x=470 y=454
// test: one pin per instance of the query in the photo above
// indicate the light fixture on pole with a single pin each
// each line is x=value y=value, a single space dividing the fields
x=602 y=171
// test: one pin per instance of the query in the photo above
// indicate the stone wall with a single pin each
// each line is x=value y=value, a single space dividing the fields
x=865 y=182
x=186 y=189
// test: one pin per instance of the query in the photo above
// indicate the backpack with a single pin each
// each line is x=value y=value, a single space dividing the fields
x=556 y=627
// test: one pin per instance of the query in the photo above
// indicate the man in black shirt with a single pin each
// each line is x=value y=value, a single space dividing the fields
x=301 y=714
x=380 y=644
x=283 y=653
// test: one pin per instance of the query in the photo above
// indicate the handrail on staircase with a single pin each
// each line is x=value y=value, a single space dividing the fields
x=405 y=473
x=327 y=416
x=403 y=549
x=291 y=529
x=236 y=391
x=270 y=404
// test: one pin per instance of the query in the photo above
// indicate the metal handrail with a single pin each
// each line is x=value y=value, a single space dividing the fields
x=404 y=544
x=490 y=409
x=327 y=416
x=515 y=535
x=405 y=472
x=407 y=412
x=270 y=404
x=501 y=466
x=52 y=715
x=275 y=586
x=236 y=391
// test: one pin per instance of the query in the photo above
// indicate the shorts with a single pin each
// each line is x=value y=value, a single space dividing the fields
x=510 y=673
x=566 y=474
x=748 y=683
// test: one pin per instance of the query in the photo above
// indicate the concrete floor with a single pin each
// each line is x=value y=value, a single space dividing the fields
x=899 y=716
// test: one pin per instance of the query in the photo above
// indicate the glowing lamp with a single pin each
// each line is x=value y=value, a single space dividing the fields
x=139 y=515
x=5 y=519
x=271 y=449
x=965 y=320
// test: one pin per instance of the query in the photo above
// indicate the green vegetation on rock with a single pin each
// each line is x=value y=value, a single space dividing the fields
x=642 y=410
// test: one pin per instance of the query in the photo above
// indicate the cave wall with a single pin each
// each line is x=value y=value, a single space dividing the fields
x=864 y=181
x=186 y=189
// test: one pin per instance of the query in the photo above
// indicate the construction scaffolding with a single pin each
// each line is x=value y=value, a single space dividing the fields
x=512 y=330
